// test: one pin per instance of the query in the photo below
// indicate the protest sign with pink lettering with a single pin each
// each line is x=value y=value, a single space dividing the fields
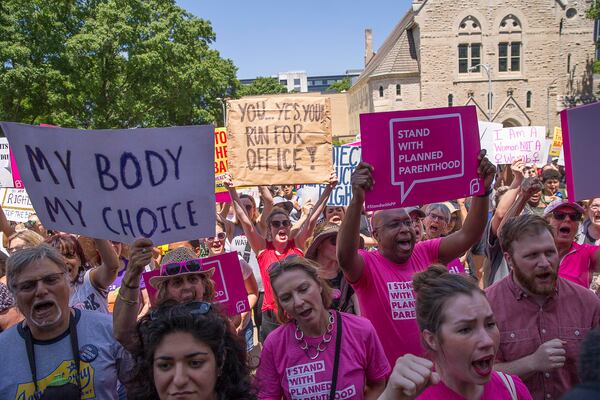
x=421 y=156
x=229 y=282
x=527 y=143
x=580 y=150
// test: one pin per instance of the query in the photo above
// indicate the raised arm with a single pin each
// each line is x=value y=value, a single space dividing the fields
x=459 y=242
x=127 y=304
x=509 y=197
x=308 y=227
x=103 y=276
x=348 y=241
x=267 y=199
x=257 y=242
x=529 y=187
x=5 y=226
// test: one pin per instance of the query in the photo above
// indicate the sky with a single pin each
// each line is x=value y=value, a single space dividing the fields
x=326 y=37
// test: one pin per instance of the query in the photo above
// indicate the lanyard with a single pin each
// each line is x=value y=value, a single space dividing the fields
x=74 y=349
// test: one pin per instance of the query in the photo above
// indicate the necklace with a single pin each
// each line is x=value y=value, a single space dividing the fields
x=322 y=346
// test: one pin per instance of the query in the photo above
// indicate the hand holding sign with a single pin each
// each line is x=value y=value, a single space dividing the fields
x=486 y=170
x=362 y=180
x=139 y=257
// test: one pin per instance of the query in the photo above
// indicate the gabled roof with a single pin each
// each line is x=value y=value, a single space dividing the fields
x=397 y=54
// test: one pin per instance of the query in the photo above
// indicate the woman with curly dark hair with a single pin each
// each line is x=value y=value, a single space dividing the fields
x=189 y=351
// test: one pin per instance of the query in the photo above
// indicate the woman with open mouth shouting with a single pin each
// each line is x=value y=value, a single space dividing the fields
x=459 y=331
x=277 y=244
x=317 y=352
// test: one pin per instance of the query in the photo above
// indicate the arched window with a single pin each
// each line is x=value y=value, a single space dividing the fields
x=528 y=102
x=398 y=90
x=509 y=49
x=469 y=51
x=450 y=100
x=380 y=91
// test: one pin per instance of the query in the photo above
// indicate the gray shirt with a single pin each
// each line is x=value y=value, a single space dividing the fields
x=86 y=297
x=101 y=358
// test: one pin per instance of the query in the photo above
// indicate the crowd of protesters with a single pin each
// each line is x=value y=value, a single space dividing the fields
x=490 y=297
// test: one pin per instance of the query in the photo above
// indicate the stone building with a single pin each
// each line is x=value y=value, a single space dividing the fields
x=539 y=54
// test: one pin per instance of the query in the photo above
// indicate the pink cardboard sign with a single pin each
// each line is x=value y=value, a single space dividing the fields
x=229 y=282
x=421 y=156
x=580 y=147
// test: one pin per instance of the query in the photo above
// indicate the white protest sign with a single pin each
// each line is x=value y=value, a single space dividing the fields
x=6 y=168
x=486 y=136
x=16 y=204
x=119 y=184
x=525 y=142
x=345 y=161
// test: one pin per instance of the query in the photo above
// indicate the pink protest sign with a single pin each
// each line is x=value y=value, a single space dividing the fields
x=421 y=156
x=580 y=148
x=229 y=282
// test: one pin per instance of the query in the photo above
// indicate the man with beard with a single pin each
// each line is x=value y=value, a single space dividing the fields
x=57 y=352
x=577 y=261
x=382 y=279
x=542 y=318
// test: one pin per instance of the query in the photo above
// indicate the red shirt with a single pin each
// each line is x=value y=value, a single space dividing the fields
x=576 y=265
x=267 y=257
x=568 y=314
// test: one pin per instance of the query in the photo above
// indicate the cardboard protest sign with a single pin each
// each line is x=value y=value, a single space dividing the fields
x=580 y=127
x=556 y=146
x=9 y=176
x=119 y=184
x=282 y=140
x=221 y=193
x=16 y=204
x=229 y=282
x=421 y=156
x=525 y=142
x=345 y=160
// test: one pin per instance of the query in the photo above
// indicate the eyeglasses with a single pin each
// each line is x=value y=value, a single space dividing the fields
x=277 y=264
x=181 y=267
x=194 y=307
x=276 y=224
x=560 y=216
x=436 y=217
x=220 y=236
x=48 y=280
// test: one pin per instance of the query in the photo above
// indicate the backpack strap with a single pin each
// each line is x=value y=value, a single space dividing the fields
x=509 y=383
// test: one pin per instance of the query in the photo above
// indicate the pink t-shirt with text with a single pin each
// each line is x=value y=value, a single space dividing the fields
x=495 y=389
x=387 y=299
x=576 y=265
x=286 y=371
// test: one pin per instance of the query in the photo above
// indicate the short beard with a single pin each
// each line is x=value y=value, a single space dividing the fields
x=45 y=324
x=530 y=286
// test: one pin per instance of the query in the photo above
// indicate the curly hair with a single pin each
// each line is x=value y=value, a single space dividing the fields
x=210 y=328
x=64 y=242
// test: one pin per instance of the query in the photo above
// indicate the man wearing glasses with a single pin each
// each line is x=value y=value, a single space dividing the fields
x=57 y=352
x=578 y=261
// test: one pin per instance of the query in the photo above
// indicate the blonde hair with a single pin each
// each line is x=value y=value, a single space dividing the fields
x=28 y=236
x=305 y=265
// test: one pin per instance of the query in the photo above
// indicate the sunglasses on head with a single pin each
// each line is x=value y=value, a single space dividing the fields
x=30 y=224
x=277 y=264
x=183 y=266
x=560 y=216
x=220 y=236
x=194 y=307
x=276 y=224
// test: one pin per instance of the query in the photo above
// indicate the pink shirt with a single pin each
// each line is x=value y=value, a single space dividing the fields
x=387 y=299
x=568 y=314
x=286 y=371
x=267 y=257
x=576 y=265
x=495 y=389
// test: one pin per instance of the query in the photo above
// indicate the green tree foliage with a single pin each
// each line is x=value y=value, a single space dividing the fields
x=262 y=85
x=340 y=86
x=109 y=64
